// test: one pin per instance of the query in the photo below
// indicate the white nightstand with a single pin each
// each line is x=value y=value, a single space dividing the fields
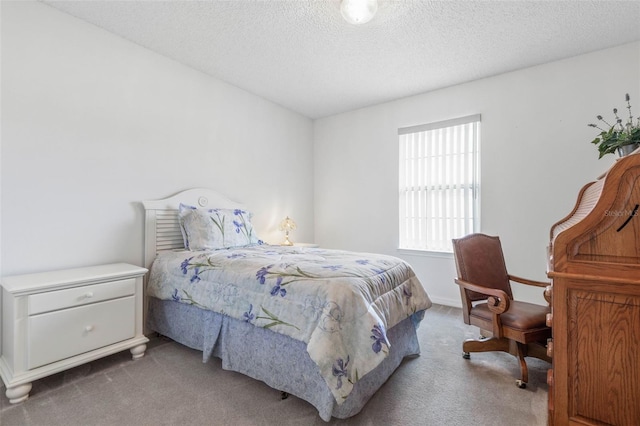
x=57 y=320
x=309 y=245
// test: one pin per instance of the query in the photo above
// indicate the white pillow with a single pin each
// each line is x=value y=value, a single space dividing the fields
x=210 y=229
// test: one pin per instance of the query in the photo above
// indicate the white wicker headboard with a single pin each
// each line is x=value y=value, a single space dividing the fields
x=162 y=231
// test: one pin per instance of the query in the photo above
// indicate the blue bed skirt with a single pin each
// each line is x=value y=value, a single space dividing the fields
x=275 y=359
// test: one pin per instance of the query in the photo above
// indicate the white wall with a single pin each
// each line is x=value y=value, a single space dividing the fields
x=536 y=155
x=92 y=124
x=90 y=118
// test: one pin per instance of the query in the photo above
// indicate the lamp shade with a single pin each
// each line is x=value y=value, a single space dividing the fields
x=358 y=11
x=287 y=224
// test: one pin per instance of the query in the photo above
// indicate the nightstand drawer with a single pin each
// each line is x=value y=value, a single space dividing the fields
x=62 y=299
x=57 y=335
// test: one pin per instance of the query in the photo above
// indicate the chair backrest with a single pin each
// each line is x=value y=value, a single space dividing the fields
x=479 y=260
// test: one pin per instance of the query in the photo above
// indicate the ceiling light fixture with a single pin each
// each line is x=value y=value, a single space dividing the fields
x=358 y=11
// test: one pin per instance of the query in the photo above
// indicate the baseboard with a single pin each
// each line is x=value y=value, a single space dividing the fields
x=456 y=303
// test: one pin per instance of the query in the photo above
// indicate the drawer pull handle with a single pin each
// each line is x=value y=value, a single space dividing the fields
x=88 y=328
x=87 y=295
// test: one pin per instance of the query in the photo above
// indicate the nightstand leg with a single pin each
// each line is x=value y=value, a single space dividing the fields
x=138 y=351
x=18 y=393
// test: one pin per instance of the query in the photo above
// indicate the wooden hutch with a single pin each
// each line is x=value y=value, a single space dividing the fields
x=594 y=265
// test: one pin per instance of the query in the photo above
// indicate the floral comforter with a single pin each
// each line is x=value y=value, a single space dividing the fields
x=340 y=303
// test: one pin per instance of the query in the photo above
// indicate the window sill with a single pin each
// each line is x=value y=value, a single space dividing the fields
x=426 y=253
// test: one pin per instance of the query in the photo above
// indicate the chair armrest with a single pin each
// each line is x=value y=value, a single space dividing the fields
x=497 y=301
x=527 y=281
x=547 y=294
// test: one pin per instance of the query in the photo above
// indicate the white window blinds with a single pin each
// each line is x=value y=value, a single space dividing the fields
x=439 y=183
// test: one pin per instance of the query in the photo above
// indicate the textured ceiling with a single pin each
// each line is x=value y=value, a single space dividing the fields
x=304 y=56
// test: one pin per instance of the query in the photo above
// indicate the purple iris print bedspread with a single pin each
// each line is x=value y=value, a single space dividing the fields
x=339 y=303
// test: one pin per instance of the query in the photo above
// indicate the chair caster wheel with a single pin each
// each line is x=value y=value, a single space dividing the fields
x=521 y=384
x=466 y=355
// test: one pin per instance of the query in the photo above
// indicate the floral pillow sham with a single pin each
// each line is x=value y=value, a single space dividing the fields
x=211 y=229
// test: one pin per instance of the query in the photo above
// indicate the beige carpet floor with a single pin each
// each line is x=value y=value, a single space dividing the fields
x=171 y=386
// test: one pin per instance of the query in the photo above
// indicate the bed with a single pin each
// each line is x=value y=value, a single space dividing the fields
x=327 y=326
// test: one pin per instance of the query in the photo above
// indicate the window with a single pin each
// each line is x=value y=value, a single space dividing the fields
x=439 y=183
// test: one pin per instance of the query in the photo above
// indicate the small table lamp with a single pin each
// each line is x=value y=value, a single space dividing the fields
x=287 y=225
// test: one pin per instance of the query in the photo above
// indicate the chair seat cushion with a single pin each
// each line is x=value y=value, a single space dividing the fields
x=520 y=316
